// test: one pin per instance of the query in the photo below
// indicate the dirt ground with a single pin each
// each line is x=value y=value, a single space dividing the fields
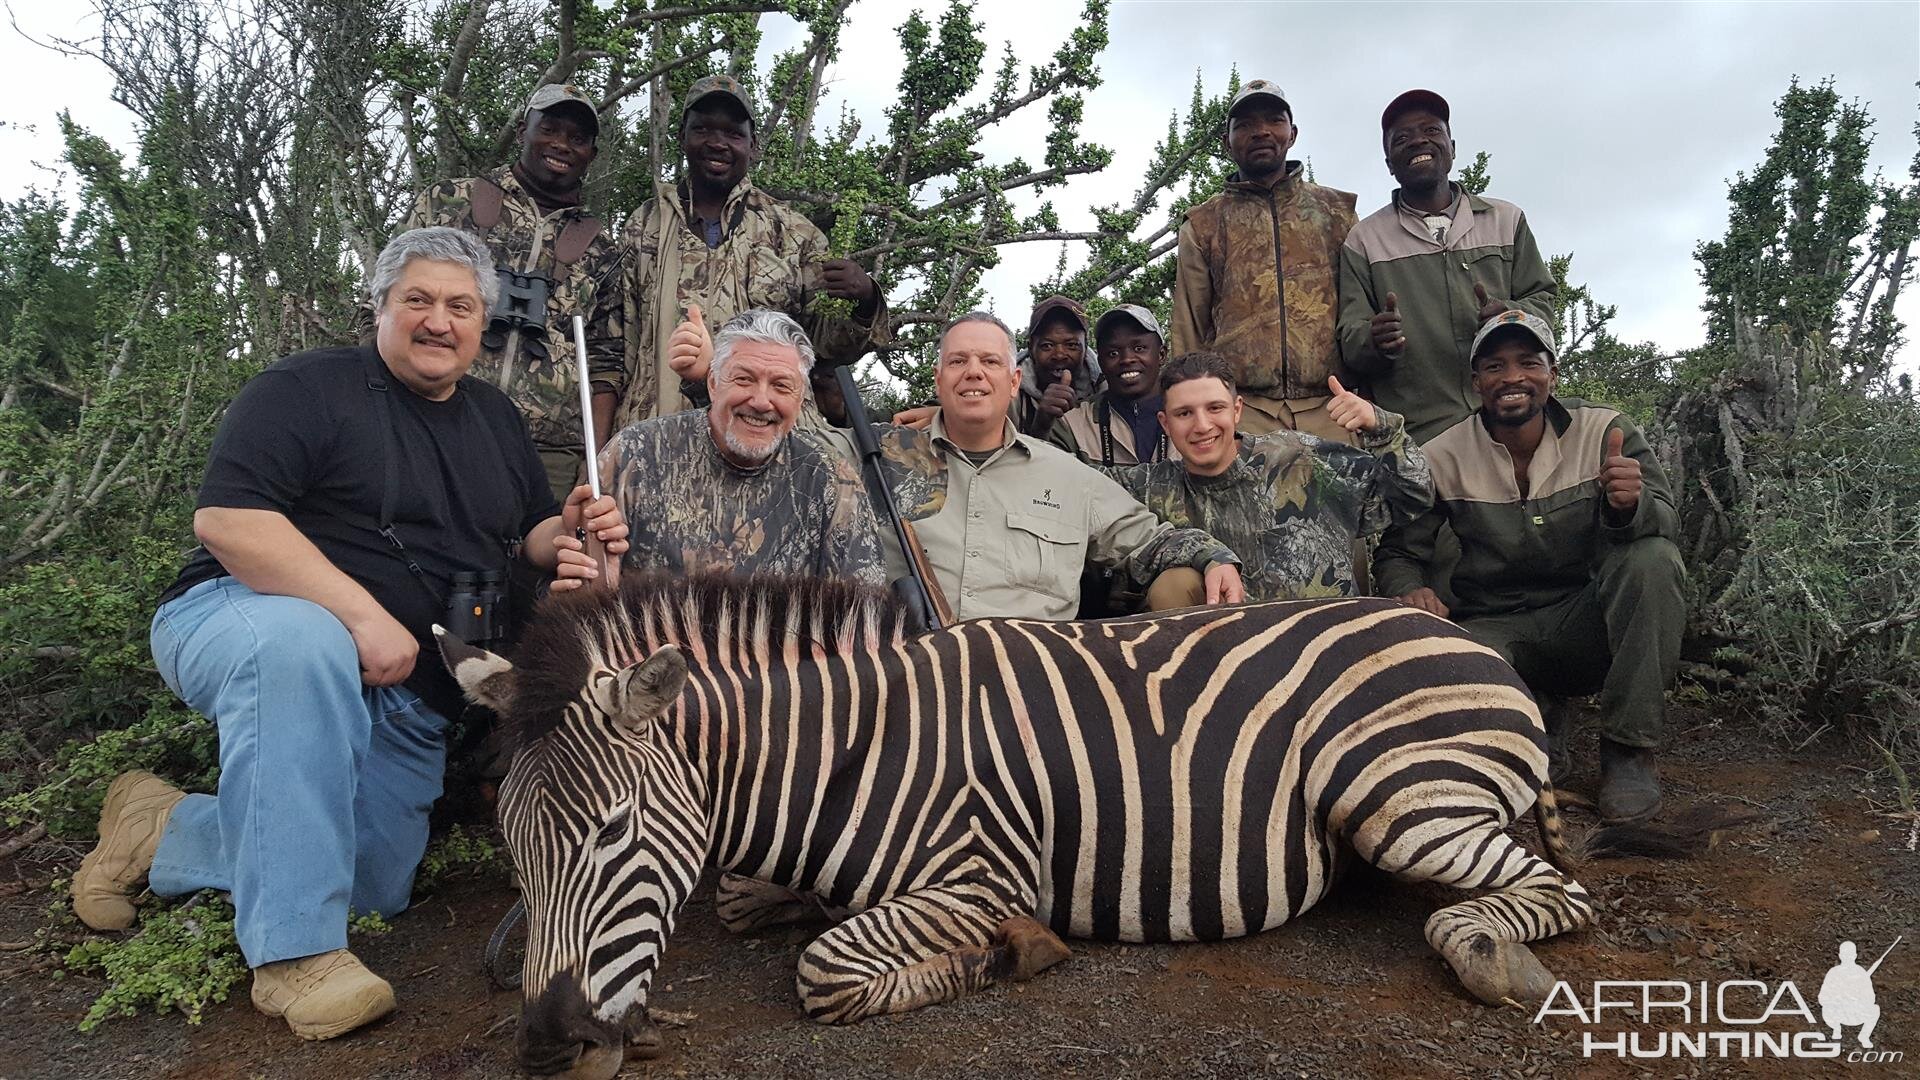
x=1350 y=989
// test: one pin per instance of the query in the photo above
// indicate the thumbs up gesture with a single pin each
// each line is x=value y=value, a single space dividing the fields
x=1489 y=307
x=690 y=349
x=1620 y=475
x=1058 y=399
x=1388 y=339
x=1348 y=409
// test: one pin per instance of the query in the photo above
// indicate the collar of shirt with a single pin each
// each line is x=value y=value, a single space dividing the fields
x=710 y=231
x=1460 y=213
x=1011 y=439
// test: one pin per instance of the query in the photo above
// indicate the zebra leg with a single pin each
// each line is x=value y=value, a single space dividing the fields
x=920 y=948
x=747 y=904
x=1482 y=939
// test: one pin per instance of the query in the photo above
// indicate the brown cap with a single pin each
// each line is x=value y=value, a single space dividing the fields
x=725 y=86
x=1259 y=88
x=1415 y=99
x=1519 y=321
x=1051 y=304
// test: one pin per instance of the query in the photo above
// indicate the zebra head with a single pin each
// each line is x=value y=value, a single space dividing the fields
x=603 y=817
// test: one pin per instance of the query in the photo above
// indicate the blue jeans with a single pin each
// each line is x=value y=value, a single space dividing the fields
x=325 y=784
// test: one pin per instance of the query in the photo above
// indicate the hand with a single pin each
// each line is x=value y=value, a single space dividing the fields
x=1620 y=475
x=1058 y=400
x=919 y=419
x=574 y=566
x=601 y=517
x=1489 y=307
x=845 y=279
x=1350 y=410
x=1223 y=584
x=1388 y=339
x=690 y=349
x=1426 y=600
x=387 y=651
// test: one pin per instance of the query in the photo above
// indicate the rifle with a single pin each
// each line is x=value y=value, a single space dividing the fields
x=919 y=590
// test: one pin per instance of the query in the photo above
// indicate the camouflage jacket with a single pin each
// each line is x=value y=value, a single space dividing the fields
x=689 y=509
x=1011 y=537
x=1291 y=505
x=537 y=370
x=1255 y=281
x=769 y=257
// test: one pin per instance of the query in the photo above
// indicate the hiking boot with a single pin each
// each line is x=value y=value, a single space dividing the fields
x=132 y=821
x=323 y=995
x=1558 y=715
x=1629 y=783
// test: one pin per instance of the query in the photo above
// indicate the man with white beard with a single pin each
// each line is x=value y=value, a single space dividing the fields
x=730 y=488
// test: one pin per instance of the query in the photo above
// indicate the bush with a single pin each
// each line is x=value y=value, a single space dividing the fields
x=184 y=958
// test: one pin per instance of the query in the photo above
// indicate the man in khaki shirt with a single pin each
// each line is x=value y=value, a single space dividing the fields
x=1008 y=521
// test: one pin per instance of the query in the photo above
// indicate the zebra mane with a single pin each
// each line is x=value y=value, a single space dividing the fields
x=575 y=633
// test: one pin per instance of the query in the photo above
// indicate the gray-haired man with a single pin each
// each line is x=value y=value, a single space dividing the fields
x=346 y=489
x=729 y=487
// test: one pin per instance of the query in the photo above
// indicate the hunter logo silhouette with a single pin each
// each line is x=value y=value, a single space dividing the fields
x=1846 y=995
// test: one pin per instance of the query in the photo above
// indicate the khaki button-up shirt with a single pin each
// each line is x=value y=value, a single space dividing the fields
x=1010 y=537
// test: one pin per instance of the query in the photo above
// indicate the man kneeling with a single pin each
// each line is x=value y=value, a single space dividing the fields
x=1567 y=563
x=346 y=490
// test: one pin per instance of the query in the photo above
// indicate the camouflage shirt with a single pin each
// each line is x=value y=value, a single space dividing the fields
x=689 y=509
x=537 y=370
x=769 y=257
x=1291 y=505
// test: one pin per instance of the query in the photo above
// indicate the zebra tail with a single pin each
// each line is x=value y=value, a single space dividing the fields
x=1688 y=836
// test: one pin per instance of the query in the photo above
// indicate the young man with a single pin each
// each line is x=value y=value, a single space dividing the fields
x=1121 y=425
x=1419 y=275
x=717 y=242
x=346 y=489
x=1256 y=272
x=1289 y=505
x=1567 y=562
x=555 y=260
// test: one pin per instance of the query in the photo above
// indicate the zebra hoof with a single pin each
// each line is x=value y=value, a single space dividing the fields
x=597 y=1063
x=1030 y=948
x=643 y=1035
x=1500 y=971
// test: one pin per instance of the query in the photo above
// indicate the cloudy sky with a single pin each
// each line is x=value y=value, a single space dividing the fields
x=1614 y=125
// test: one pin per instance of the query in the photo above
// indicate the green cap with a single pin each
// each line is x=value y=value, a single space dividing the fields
x=725 y=85
x=553 y=95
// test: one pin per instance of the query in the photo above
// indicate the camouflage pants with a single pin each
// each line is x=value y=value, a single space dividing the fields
x=1619 y=635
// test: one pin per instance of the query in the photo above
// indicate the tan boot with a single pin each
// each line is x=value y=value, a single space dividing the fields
x=323 y=995
x=131 y=823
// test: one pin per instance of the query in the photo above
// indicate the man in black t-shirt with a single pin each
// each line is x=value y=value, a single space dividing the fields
x=345 y=490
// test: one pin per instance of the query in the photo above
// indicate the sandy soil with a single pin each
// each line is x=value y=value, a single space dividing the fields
x=1350 y=989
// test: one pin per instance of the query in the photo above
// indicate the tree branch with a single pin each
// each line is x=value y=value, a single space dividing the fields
x=641 y=18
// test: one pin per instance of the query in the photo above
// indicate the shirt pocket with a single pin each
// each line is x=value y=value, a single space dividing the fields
x=1045 y=554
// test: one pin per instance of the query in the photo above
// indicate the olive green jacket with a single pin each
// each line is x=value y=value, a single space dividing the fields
x=1391 y=252
x=1518 y=553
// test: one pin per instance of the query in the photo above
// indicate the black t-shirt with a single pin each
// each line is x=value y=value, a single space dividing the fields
x=303 y=438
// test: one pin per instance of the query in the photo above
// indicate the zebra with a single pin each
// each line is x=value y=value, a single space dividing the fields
x=966 y=796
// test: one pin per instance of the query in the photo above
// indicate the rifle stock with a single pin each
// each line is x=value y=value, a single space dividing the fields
x=920 y=590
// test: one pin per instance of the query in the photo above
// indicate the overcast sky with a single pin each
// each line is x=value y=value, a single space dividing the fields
x=1615 y=126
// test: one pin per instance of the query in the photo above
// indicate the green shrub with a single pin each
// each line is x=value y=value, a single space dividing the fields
x=183 y=958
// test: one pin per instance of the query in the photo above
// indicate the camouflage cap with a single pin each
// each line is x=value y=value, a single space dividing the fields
x=1128 y=311
x=1259 y=88
x=555 y=94
x=1526 y=322
x=727 y=85
x=1075 y=312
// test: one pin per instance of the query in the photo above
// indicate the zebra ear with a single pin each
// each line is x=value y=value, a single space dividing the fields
x=484 y=677
x=642 y=692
